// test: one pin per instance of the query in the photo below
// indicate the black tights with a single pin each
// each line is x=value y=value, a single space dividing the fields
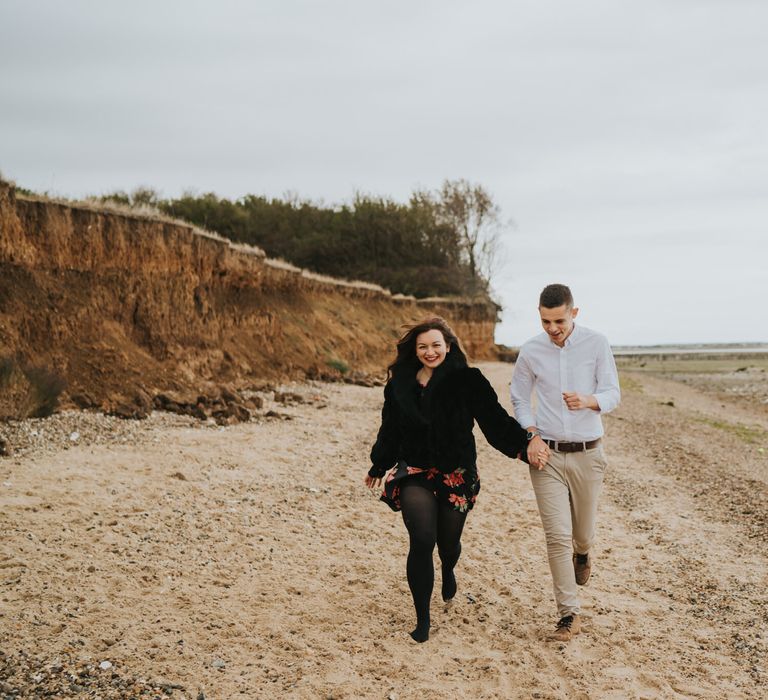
x=429 y=522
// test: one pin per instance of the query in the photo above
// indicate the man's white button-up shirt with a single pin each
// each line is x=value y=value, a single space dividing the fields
x=585 y=365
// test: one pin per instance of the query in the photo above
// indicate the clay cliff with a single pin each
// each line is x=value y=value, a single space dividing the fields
x=123 y=306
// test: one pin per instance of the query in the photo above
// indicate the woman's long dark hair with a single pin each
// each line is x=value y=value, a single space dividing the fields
x=406 y=347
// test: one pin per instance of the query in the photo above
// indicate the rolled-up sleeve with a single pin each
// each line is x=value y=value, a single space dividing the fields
x=608 y=393
x=520 y=391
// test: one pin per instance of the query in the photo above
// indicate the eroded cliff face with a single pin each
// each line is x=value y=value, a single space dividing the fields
x=118 y=304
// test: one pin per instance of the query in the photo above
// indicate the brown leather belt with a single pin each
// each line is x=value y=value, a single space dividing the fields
x=572 y=446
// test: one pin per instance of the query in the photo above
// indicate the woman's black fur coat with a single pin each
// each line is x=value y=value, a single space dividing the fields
x=436 y=430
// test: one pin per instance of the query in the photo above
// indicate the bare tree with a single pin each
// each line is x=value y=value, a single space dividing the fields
x=471 y=212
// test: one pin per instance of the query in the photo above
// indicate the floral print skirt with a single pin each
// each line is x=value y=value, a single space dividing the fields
x=458 y=488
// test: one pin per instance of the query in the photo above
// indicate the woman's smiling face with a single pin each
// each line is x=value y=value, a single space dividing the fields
x=431 y=349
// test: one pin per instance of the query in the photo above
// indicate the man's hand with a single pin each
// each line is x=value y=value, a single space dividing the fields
x=372 y=482
x=576 y=402
x=538 y=452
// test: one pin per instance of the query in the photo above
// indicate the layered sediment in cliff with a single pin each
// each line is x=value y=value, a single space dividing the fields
x=118 y=304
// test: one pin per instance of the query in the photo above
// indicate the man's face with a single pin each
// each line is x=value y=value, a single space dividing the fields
x=558 y=322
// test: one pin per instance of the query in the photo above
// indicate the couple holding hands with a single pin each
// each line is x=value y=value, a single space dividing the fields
x=426 y=457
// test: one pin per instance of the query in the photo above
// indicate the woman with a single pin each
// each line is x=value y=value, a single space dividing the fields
x=431 y=401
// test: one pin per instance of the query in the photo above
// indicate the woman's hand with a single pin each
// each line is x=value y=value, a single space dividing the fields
x=372 y=482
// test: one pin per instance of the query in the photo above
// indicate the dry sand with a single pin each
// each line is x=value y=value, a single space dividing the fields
x=251 y=561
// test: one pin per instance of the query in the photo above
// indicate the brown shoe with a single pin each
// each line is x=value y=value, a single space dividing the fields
x=582 y=567
x=568 y=627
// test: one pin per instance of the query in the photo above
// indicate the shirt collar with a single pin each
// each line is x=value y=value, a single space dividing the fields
x=575 y=333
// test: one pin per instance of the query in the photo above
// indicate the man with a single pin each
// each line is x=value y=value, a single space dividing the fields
x=573 y=373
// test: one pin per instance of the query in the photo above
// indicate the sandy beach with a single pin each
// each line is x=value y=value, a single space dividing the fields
x=187 y=561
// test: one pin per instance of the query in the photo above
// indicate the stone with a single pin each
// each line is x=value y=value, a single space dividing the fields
x=288 y=397
x=255 y=403
x=222 y=418
x=142 y=400
x=199 y=412
x=359 y=378
x=240 y=412
x=229 y=395
x=83 y=400
x=128 y=411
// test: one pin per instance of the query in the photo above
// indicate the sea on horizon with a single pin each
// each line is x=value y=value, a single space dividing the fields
x=691 y=348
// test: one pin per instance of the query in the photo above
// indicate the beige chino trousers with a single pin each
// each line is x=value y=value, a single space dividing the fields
x=567 y=490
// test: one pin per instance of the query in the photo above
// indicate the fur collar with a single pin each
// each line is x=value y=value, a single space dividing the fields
x=406 y=388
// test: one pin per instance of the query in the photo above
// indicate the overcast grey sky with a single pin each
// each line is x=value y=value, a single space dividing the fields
x=628 y=140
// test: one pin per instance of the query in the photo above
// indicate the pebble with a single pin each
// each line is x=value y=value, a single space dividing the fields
x=84 y=428
x=64 y=429
x=26 y=676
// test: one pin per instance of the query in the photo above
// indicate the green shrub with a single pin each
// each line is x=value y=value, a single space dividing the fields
x=339 y=365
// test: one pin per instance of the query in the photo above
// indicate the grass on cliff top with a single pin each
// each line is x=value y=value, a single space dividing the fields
x=151 y=213
x=137 y=211
x=290 y=267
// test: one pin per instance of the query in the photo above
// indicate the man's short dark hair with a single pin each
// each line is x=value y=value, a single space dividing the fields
x=554 y=295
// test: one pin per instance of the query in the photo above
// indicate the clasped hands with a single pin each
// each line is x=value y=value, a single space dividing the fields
x=538 y=452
